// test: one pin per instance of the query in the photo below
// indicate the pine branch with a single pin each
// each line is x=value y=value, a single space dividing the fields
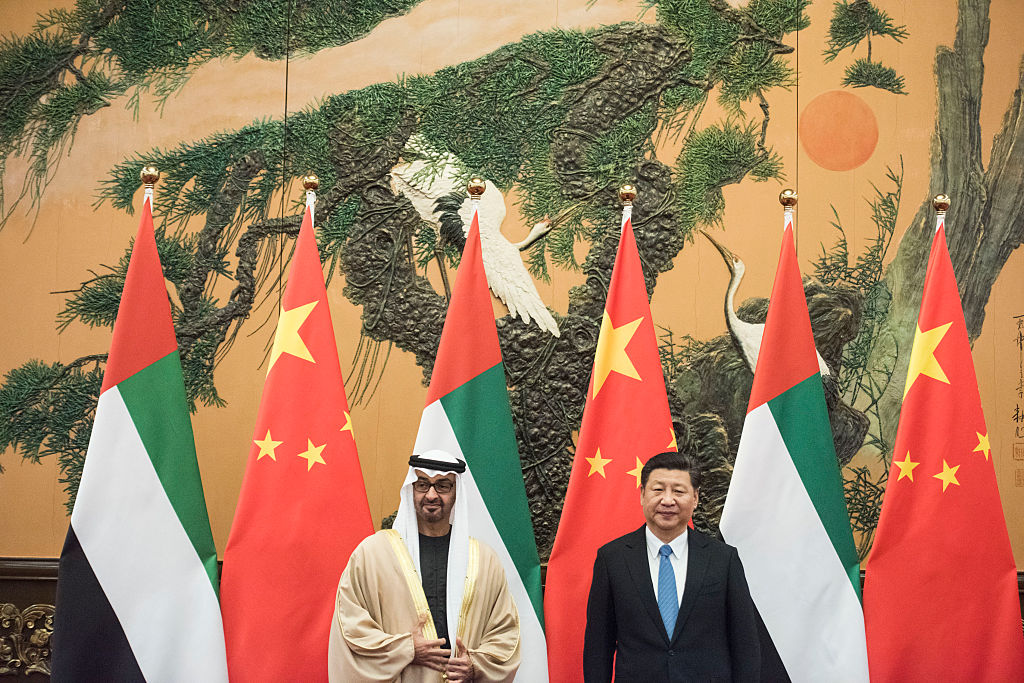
x=867 y=74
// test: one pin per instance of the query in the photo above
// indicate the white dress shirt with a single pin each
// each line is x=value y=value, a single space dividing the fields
x=678 y=558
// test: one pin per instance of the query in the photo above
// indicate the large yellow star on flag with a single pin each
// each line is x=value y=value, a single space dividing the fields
x=672 y=445
x=947 y=475
x=906 y=467
x=636 y=471
x=922 y=356
x=348 y=425
x=597 y=464
x=983 y=444
x=312 y=454
x=267 y=447
x=287 y=339
x=611 y=353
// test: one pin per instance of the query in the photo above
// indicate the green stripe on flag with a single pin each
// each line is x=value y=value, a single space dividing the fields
x=802 y=418
x=479 y=414
x=155 y=397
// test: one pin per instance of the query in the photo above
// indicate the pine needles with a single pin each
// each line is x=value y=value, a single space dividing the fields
x=856 y=22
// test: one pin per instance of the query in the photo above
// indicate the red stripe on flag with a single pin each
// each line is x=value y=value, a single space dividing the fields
x=787 y=332
x=138 y=342
x=452 y=367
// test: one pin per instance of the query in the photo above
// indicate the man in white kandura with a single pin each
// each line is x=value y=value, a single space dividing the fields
x=410 y=592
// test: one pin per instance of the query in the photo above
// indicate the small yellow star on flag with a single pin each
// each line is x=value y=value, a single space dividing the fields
x=312 y=454
x=947 y=475
x=636 y=471
x=983 y=444
x=672 y=445
x=597 y=464
x=906 y=467
x=348 y=425
x=267 y=447
x=922 y=356
x=287 y=339
x=611 y=353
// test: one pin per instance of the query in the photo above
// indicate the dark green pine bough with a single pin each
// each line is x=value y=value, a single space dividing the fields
x=856 y=22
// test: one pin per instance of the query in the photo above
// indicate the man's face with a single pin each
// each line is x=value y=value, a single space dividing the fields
x=433 y=506
x=668 y=500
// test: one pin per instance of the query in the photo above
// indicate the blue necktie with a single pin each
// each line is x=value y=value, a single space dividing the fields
x=668 y=604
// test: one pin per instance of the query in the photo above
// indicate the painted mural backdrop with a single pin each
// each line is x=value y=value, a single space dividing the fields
x=555 y=122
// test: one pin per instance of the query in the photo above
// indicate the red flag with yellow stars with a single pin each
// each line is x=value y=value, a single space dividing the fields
x=302 y=509
x=626 y=420
x=940 y=594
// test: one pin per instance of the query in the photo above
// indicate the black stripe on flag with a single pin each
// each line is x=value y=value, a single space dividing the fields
x=88 y=641
x=772 y=668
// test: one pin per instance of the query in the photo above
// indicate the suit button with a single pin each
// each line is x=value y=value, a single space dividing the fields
x=671 y=653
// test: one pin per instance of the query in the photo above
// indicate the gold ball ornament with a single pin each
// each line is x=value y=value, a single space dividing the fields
x=476 y=186
x=627 y=193
x=941 y=203
x=310 y=182
x=787 y=197
x=149 y=175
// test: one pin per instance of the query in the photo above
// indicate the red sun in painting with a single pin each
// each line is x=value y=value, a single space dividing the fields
x=838 y=130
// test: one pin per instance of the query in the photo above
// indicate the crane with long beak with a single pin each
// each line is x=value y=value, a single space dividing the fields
x=746 y=336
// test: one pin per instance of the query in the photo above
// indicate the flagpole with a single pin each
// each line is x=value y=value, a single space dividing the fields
x=627 y=193
x=312 y=183
x=149 y=176
x=788 y=199
x=941 y=204
x=476 y=188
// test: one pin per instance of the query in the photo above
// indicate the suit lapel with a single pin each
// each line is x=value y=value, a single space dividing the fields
x=640 y=573
x=696 y=568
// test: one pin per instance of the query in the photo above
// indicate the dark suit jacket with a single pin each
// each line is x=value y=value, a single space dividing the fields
x=715 y=636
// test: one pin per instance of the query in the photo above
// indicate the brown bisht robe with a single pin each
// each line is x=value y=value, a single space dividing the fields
x=380 y=602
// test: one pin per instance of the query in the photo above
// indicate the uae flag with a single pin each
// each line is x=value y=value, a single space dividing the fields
x=468 y=415
x=626 y=420
x=302 y=509
x=137 y=583
x=940 y=593
x=785 y=511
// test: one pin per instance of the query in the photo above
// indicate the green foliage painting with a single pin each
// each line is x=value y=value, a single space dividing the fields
x=77 y=61
x=856 y=22
x=563 y=117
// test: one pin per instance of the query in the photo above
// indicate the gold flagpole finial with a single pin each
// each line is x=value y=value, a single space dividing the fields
x=311 y=183
x=476 y=187
x=627 y=193
x=941 y=204
x=149 y=175
x=788 y=198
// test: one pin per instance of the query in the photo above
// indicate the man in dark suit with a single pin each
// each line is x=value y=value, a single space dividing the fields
x=668 y=603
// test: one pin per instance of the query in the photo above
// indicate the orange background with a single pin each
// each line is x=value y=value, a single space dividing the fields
x=40 y=256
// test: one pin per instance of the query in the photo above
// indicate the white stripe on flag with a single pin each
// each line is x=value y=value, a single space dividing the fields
x=436 y=432
x=142 y=558
x=796 y=579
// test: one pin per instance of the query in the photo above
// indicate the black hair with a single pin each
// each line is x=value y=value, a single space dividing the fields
x=672 y=461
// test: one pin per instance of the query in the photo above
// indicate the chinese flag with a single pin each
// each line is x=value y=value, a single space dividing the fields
x=302 y=509
x=626 y=420
x=940 y=595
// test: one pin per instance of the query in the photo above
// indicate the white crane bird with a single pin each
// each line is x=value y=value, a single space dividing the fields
x=506 y=275
x=745 y=335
